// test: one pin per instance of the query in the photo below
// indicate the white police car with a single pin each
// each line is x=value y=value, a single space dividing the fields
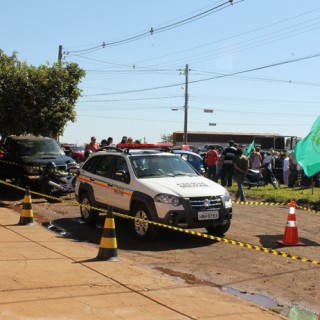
x=155 y=186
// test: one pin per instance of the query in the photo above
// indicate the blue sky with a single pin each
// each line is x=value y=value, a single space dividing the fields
x=256 y=63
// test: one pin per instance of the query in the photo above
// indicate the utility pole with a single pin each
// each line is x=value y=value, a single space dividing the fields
x=59 y=62
x=60 y=54
x=185 y=133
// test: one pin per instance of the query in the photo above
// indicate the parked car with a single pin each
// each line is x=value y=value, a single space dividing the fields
x=151 y=185
x=74 y=151
x=186 y=147
x=193 y=158
x=25 y=157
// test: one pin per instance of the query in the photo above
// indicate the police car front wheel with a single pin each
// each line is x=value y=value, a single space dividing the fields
x=141 y=228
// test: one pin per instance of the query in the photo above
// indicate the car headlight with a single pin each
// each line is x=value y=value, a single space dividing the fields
x=227 y=199
x=167 y=198
x=32 y=169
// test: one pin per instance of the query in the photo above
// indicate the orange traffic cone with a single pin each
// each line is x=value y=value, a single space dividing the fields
x=290 y=237
x=26 y=217
x=108 y=242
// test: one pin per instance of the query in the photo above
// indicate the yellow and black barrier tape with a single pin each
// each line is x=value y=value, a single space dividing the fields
x=280 y=204
x=40 y=168
x=188 y=231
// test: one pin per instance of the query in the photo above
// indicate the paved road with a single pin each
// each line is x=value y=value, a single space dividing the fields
x=192 y=260
x=45 y=276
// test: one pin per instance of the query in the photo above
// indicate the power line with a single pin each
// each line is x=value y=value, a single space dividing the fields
x=153 y=31
x=239 y=35
x=122 y=100
x=210 y=78
x=281 y=124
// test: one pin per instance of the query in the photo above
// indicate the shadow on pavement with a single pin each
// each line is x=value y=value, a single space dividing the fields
x=75 y=228
x=270 y=241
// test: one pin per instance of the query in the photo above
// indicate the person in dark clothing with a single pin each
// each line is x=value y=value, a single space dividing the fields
x=241 y=165
x=227 y=164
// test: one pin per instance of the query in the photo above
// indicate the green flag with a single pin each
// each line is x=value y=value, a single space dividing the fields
x=249 y=149
x=307 y=151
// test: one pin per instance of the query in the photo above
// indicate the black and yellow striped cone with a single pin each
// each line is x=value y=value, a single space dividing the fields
x=108 y=243
x=26 y=217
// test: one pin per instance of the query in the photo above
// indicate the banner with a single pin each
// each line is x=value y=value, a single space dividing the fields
x=307 y=151
x=249 y=149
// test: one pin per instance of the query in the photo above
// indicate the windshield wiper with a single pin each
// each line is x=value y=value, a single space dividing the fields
x=185 y=174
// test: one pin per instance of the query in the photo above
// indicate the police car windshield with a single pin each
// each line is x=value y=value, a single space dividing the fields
x=161 y=166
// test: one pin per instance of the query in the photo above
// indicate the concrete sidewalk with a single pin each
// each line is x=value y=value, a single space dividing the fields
x=44 y=276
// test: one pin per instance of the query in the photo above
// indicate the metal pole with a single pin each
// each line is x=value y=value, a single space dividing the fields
x=185 y=133
x=60 y=54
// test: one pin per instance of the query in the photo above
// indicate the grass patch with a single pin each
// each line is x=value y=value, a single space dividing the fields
x=309 y=197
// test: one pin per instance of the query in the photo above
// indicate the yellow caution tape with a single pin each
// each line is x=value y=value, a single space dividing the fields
x=39 y=168
x=257 y=203
x=195 y=233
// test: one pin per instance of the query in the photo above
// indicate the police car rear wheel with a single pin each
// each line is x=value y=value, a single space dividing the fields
x=88 y=214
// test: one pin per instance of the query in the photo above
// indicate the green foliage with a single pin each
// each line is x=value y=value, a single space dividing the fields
x=307 y=196
x=167 y=138
x=37 y=100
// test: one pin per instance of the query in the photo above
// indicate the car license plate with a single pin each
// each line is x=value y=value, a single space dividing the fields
x=208 y=215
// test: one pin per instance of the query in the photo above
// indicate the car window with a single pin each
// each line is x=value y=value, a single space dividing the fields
x=195 y=158
x=103 y=167
x=161 y=166
x=184 y=156
x=90 y=164
x=76 y=149
x=120 y=165
x=11 y=146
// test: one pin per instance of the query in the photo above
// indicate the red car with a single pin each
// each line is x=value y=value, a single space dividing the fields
x=74 y=151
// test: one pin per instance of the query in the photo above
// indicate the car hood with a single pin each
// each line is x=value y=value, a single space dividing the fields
x=184 y=186
x=45 y=158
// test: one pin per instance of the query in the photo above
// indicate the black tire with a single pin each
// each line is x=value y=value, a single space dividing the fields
x=47 y=190
x=89 y=215
x=20 y=181
x=142 y=229
x=219 y=231
x=275 y=183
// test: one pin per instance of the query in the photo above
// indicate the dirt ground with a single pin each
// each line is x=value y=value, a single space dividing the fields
x=227 y=266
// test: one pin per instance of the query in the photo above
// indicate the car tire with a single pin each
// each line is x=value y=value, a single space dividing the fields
x=46 y=190
x=142 y=229
x=20 y=181
x=219 y=231
x=89 y=215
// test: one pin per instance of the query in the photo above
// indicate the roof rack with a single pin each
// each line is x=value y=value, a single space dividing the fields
x=144 y=146
x=109 y=148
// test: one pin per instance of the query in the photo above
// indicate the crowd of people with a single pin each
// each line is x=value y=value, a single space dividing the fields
x=231 y=164
x=94 y=146
x=227 y=165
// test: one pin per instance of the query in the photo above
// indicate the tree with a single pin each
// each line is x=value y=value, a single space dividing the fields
x=168 y=138
x=37 y=100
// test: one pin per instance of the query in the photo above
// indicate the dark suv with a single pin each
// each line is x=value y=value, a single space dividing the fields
x=25 y=157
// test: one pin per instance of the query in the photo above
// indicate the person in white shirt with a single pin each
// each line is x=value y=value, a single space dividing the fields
x=286 y=171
